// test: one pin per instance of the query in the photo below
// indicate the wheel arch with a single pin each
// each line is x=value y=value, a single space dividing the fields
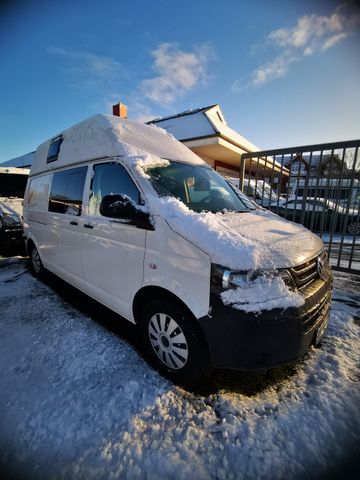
x=30 y=242
x=149 y=293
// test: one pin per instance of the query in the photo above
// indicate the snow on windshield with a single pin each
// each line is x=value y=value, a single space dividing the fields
x=199 y=188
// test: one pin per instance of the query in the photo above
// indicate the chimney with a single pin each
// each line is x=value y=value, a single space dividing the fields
x=120 y=110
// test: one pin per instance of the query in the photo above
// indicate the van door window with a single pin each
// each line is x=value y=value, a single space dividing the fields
x=110 y=179
x=67 y=190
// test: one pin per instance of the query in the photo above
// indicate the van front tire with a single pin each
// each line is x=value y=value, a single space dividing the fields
x=36 y=266
x=173 y=343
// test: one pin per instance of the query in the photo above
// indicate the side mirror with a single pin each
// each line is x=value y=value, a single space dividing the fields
x=117 y=206
x=123 y=207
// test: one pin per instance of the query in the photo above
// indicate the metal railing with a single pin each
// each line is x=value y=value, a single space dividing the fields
x=315 y=185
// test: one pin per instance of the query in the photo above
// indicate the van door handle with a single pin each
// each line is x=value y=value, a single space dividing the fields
x=88 y=225
x=73 y=222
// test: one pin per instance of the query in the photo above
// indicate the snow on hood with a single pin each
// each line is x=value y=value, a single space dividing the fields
x=241 y=241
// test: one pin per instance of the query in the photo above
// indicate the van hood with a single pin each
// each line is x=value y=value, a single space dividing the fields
x=242 y=240
x=282 y=243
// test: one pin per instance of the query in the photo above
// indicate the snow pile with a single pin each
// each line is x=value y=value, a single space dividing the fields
x=263 y=293
x=78 y=401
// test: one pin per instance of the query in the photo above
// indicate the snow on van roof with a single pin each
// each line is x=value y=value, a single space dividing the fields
x=102 y=136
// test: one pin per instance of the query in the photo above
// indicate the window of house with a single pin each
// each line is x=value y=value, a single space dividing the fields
x=298 y=167
x=110 y=179
x=67 y=190
x=54 y=150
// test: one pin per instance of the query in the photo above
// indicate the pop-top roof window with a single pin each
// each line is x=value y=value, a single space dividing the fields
x=54 y=150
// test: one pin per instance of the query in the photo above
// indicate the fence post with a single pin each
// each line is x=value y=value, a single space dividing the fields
x=242 y=172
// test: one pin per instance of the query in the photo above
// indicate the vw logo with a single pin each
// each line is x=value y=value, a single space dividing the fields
x=321 y=268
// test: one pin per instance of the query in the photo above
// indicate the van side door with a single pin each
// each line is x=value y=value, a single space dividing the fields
x=64 y=241
x=113 y=249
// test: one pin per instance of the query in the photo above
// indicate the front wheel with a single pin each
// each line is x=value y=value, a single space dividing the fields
x=173 y=343
x=36 y=266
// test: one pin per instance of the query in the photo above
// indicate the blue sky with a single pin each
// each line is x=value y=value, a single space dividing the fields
x=285 y=73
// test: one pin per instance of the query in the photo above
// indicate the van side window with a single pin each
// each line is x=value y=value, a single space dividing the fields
x=110 y=179
x=67 y=189
x=54 y=149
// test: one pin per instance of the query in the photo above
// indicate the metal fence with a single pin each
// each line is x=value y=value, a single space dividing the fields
x=315 y=185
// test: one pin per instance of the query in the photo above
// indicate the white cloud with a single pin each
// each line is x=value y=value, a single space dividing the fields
x=177 y=72
x=331 y=41
x=276 y=69
x=311 y=34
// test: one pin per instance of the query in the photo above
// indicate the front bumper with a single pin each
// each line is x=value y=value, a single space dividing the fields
x=241 y=340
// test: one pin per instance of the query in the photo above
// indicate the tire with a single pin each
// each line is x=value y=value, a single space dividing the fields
x=354 y=228
x=174 y=344
x=36 y=266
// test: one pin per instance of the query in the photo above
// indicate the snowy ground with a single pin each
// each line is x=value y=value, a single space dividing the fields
x=77 y=399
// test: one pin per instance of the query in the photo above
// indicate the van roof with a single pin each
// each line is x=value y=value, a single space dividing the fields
x=106 y=136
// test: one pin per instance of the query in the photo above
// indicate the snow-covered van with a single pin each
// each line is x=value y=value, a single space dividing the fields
x=133 y=218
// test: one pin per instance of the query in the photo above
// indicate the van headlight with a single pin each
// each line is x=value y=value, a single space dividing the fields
x=225 y=278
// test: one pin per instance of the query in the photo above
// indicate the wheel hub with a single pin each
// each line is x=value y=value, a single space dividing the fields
x=164 y=341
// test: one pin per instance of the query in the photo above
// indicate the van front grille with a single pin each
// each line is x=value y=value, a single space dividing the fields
x=307 y=272
x=317 y=314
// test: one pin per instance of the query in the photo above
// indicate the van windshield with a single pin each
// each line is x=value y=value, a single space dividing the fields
x=199 y=188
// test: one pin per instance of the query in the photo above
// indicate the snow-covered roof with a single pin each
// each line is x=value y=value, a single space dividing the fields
x=200 y=123
x=23 y=161
x=102 y=136
x=314 y=160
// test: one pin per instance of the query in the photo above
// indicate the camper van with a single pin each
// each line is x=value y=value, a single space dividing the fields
x=133 y=218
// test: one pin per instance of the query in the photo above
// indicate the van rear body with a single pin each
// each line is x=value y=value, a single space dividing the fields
x=134 y=219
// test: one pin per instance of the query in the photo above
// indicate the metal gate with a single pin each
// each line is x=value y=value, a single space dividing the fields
x=315 y=185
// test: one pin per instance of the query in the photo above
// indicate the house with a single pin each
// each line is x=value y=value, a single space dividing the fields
x=326 y=175
x=206 y=133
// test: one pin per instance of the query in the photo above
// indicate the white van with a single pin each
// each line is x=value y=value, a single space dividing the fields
x=134 y=219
